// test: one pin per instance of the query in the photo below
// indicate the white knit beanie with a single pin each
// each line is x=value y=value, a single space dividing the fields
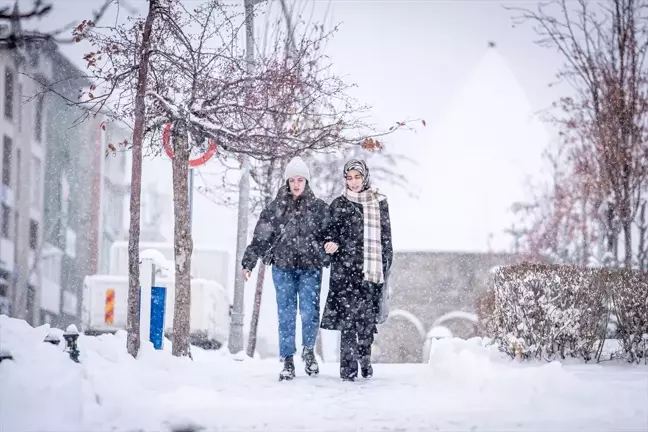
x=297 y=167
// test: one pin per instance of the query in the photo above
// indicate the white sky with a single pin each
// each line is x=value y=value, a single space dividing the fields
x=422 y=59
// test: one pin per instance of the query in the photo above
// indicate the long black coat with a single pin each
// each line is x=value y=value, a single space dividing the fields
x=301 y=246
x=346 y=288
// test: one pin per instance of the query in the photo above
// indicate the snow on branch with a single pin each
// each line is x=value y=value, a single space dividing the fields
x=12 y=19
x=600 y=167
x=285 y=102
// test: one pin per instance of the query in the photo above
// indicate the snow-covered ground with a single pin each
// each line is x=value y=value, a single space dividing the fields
x=464 y=387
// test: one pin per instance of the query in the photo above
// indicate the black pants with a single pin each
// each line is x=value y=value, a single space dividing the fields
x=358 y=330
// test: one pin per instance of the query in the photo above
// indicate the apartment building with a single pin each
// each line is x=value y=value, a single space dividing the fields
x=61 y=198
x=84 y=195
x=23 y=121
x=115 y=191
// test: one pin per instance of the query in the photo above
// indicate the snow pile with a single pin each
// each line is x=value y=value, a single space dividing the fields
x=467 y=385
x=478 y=363
x=53 y=393
x=476 y=371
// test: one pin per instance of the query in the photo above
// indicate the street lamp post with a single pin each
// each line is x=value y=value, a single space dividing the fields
x=235 y=340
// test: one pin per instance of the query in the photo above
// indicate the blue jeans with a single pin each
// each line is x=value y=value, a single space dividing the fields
x=291 y=285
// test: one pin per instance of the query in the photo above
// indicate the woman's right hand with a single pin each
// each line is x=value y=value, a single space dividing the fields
x=246 y=274
x=330 y=248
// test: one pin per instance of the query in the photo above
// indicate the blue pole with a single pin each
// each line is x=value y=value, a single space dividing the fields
x=158 y=303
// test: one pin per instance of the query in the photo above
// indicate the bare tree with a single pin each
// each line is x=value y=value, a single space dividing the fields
x=287 y=106
x=142 y=55
x=13 y=36
x=118 y=91
x=186 y=68
x=560 y=222
x=122 y=95
x=604 y=46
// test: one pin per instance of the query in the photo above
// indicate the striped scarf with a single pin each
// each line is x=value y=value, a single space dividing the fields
x=372 y=265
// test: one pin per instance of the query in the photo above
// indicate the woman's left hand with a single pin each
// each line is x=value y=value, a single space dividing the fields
x=330 y=248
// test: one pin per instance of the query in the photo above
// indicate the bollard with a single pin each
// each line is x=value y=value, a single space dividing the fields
x=53 y=339
x=152 y=298
x=71 y=337
x=109 y=309
x=156 y=324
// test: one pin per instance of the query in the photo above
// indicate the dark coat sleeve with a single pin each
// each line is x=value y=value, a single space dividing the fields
x=334 y=222
x=325 y=218
x=386 y=236
x=262 y=239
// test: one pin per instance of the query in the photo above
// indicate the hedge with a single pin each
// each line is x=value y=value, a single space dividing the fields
x=558 y=311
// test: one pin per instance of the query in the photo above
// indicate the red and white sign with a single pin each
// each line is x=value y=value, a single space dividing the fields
x=201 y=160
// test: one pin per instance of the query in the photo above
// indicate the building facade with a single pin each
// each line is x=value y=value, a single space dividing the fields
x=23 y=122
x=84 y=194
x=61 y=197
x=115 y=189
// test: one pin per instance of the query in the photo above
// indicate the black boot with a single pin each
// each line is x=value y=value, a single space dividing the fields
x=311 y=367
x=366 y=370
x=288 y=371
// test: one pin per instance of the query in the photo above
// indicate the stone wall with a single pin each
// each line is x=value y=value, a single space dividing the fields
x=426 y=286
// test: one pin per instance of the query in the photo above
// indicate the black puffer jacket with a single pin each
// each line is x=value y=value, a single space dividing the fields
x=304 y=223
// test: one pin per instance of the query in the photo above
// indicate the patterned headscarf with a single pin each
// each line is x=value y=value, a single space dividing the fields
x=360 y=166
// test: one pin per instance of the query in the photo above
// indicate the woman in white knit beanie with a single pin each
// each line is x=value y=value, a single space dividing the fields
x=290 y=236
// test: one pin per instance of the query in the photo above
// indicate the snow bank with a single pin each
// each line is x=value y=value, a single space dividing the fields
x=467 y=385
x=477 y=363
x=42 y=389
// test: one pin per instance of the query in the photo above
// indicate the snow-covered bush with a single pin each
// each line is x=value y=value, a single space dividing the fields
x=485 y=306
x=548 y=311
x=629 y=295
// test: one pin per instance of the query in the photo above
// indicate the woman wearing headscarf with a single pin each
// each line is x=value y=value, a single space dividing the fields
x=290 y=236
x=359 y=240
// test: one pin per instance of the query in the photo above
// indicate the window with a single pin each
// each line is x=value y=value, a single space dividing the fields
x=70 y=243
x=38 y=127
x=33 y=234
x=36 y=183
x=52 y=265
x=9 y=93
x=6 y=160
x=6 y=220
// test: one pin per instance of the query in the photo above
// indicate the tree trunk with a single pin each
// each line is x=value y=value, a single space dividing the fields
x=612 y=256
x=132 y=319
x=254 y=323
x=183 y=242
x=627 y=238
x=641 y=250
